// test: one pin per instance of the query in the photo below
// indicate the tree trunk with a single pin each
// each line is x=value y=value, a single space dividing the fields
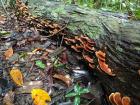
x=119 y=35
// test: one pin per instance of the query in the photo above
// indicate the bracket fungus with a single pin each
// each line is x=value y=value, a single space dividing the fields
x=117 y=99
x=102 y=63
x=84 y=45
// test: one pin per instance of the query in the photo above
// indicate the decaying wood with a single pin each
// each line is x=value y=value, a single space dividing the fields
x=114 y=33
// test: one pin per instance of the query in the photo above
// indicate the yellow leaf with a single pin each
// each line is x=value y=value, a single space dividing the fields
x=8 y=53
x=16 y=76
x=40 y=96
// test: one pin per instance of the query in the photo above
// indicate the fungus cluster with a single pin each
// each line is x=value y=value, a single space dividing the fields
x=102 y=63
x=117 y=99
x=84 y=45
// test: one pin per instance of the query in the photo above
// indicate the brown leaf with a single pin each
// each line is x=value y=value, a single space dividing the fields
x=8 y=53
x=64 y=78
x=8 y=98
x=2 y=19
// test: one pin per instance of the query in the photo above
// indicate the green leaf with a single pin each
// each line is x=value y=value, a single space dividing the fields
x=77 y=88
x=77 y=100
x=137 y=13
x=40 y=64
x=84 y=90
x=71 y=94
x=4 y=33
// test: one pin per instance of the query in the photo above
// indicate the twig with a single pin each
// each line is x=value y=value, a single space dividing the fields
x=90 y=101
x=62 y=40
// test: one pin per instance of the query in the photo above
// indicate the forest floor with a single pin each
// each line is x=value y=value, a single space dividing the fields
x=30 y=60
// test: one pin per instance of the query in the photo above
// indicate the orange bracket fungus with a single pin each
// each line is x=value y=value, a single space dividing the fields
x=101 y=60
x=84 y=45
x=117 y=99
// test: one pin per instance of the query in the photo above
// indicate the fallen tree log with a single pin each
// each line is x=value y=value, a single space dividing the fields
x=113 y=32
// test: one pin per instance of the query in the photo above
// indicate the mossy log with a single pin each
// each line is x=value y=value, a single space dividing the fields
x=116 y=33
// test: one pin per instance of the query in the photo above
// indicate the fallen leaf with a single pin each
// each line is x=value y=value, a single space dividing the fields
x=66 y=79
x=16 y=76
x=2 y=19
x=40 y=97
x=8 y=53
x=8 y=98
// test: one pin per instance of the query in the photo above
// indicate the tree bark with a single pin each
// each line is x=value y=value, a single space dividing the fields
x=113 y=31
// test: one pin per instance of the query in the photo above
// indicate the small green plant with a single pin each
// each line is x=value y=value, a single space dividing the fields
x=78 y=91
x=57 y=64
x=40 y=64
